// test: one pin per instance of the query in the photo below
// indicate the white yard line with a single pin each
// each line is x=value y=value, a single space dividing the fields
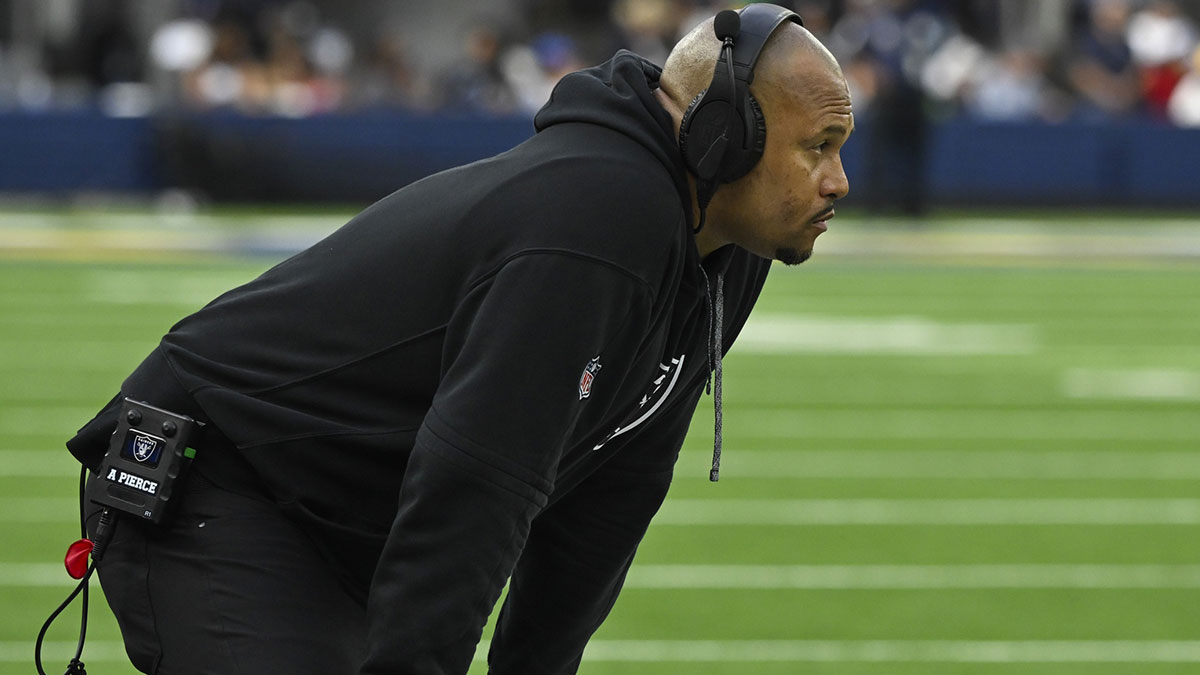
x=893 y=651
x=49 y=463
x=50 y=419
x=1015 y=238
x=1042 y=424
x=117 y=221
x=817 y=577
x=848 y=577
x=56 y=653
x=1031 y=465
x=134 y=287
x=782 y=651
x=810 y=512
x=40 y=509
x=1161 y=384
x=32 y=359
x=900 y=335
x=710 y=512
x=949 y=464
x=39 y=574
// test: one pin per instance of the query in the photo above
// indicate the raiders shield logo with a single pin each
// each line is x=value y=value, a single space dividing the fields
x=588 y=377
x=143 y=447
x=658 y=392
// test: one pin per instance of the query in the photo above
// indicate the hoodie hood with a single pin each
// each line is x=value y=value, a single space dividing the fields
x=619 y=94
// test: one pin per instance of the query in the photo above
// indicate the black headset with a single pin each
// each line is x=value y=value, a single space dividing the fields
x=723 y=130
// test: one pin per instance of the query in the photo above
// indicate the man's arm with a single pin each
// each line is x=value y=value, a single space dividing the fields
x=580 y=549
x=485 y=458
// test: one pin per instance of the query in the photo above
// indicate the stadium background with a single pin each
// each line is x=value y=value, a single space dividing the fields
x=962 y=439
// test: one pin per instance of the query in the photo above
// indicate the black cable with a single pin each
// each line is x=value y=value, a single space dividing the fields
x=705 y=189
x=37 y=650
x=103 y=532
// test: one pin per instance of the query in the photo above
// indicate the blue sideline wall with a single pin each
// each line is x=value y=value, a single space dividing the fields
x=361 y=157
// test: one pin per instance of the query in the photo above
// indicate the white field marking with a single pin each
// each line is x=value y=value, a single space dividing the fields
x=1043 y=424
x=812 y=512
x=986 y=237
x=51 y=463
x=145 y=288
x=130 y=287
x=945 y=464
x=893 y=651
x=1017 y=238
x=782 y=651
x=39 y=575
x=42 y=509
x=818 y=577
x=64 y=420
x=791 y=464
x=36 y=359
x=1166 y=384
x=56 y=653
x=790 y=334
x=713 y=512
x=846 y=577
x=884 y=464
x=273 y=236
x=15 y=300
x=1181 y=225
x=165 y=231
x=157 y=221
x=886 y=651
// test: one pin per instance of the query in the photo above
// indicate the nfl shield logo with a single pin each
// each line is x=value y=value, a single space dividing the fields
x=589 y=376
x=143 y=447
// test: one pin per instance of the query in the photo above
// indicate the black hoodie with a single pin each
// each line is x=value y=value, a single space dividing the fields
x=510 y=351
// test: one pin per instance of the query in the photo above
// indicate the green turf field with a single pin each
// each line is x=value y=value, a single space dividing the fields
x=974 y=458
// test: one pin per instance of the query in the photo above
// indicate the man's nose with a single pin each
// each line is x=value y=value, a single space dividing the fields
x=835 y=185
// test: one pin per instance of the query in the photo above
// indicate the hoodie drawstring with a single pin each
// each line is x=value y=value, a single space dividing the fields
x=716 y=317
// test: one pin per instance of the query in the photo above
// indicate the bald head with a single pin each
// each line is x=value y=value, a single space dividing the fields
x=778 y=208
x=792 y=54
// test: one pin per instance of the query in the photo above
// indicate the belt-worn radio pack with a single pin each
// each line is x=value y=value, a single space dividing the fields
x=147 y=453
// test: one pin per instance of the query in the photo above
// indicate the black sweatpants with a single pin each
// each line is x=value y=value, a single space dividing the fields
x=228 y=586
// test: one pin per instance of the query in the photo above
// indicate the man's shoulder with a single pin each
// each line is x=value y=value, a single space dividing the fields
x=623 y=207
x=599 y=166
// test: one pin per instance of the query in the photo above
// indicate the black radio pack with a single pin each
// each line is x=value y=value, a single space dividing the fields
x=147 y=453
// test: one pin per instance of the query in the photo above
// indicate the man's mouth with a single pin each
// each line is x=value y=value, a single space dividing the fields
x=821 y=221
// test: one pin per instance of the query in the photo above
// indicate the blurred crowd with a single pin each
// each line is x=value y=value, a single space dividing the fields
x=1000 y=60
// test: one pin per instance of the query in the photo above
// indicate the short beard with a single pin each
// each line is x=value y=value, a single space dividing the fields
x=791 y=256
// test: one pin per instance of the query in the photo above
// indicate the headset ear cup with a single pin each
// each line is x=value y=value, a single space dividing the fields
x=685 y=126
x=745 y=159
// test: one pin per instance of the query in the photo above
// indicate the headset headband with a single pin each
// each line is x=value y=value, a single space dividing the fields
x=723 y=132
x=759 y=21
